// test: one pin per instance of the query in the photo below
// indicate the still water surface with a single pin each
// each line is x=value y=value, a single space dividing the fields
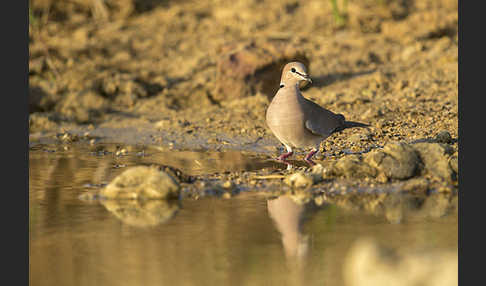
x=245 y=240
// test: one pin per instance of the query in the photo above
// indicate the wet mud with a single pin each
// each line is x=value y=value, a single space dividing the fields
x=195 y=76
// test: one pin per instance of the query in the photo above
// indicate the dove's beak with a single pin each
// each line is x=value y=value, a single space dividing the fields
x=305 y=77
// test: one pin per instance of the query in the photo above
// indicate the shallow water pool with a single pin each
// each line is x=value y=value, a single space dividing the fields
x=249 y=239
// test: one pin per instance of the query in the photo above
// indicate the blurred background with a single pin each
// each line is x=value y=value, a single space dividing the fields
x=109 y=61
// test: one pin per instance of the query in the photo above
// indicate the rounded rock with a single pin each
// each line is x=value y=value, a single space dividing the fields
x=299 y=180
x=396 y=160
x=142 y=182
x=443 y=137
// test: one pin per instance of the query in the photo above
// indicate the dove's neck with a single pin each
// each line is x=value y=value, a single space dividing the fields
x=293 y=90
x=297 y=89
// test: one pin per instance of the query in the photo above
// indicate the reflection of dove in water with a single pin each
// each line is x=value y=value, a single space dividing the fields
x=287 y=216
x=297 y=121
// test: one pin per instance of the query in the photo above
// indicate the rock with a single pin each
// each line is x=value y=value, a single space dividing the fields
x=435 y=157
x=247 y=69
x=82 y=107
x=454 y=164
x=67 y=137
x=142 y=213
x=142 y=182
x=41 y=122
x=316 y=173
x=301 y=197
x=443 y=137
x=351 y=166
x=228 y=185
x=395 y=160
x=368 y=263
x=116 y=84
x=40 y=100
x=219 y=190
x=299 y=180
x=381 y=178
x=319 y=201
x=415 y=185
x=329 y=171
x=126 y=99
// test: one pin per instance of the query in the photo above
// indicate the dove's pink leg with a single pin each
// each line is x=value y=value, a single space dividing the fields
x=285 y=156
x=289 y=153
x=309 y=156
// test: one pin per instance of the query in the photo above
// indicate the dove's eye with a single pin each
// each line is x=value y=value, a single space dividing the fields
x=292 y=69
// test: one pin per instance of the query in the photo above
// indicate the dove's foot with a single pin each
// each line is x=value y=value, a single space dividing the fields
x=309 y=156
x=283 y=157
x=310 y=162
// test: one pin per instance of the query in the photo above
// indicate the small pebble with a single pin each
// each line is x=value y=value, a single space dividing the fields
x=443 y=137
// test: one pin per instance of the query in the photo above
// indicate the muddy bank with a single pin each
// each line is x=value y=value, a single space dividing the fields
x=185 y=75
x=229 y=174
x=139 y=193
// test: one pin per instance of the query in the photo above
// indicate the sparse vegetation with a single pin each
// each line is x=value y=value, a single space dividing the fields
x=339 y=14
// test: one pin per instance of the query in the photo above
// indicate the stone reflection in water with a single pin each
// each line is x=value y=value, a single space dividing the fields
x=396 y=207
x=142 y=213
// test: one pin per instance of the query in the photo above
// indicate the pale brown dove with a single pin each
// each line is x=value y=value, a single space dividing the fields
x=297 y=121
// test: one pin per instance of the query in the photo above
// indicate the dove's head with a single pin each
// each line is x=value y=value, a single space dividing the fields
x=293 y=73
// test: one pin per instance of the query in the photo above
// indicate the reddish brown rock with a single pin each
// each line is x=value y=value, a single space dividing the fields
x=246 y=69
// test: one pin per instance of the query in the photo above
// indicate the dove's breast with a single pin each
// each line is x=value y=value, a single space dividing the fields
x=286 y=118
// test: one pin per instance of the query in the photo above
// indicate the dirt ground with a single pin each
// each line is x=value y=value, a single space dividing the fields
x=200 y=74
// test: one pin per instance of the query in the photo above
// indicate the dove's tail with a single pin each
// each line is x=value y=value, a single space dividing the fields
x=351 y=124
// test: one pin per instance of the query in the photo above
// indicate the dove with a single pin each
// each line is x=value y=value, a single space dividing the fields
x=298 y=122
